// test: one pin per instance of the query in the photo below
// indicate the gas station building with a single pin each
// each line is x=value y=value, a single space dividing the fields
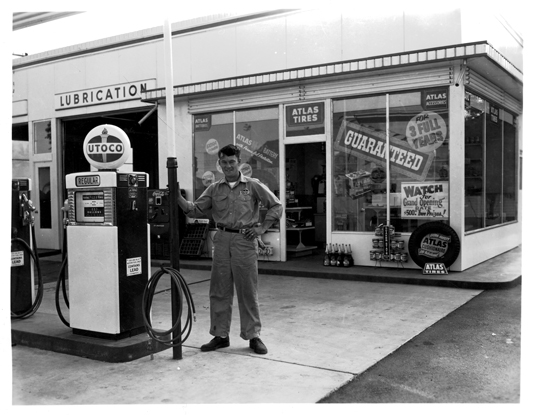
x=317 y=100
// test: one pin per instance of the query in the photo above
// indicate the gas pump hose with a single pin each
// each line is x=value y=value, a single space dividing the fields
x=164 y=336
x=61 y=284
x=40 y=286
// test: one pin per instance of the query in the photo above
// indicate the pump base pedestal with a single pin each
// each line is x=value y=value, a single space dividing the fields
x=118 y=336
x=46 y=332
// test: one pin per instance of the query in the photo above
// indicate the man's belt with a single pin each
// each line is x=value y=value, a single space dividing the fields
x=224 y=228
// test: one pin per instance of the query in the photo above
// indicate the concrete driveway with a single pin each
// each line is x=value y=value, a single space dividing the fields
x=320 y=334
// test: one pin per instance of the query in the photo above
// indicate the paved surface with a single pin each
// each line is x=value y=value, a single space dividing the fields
x=473 y=355
x=320 y=334
x=331 y=329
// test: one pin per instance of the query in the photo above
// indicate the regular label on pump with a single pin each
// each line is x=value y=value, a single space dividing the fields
x=133 y=266
x=17 y=259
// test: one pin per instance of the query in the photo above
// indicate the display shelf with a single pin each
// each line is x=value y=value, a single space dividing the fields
x=295 y=251
x=297 y=210
x=300 y=246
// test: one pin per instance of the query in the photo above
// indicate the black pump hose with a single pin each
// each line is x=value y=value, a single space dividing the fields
x=61 y=283
x=40 y=286
x=178 y=280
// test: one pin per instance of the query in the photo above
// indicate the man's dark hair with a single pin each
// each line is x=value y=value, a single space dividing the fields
x=229 y=150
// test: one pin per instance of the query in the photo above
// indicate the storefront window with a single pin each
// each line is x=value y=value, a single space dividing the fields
x=419 y=161
x=490 y=164
x=510 y=169
x=494 y=156
x=42 y=137
x=257 y=136
x=475 y=109
x=255 y=131
x=212 y=132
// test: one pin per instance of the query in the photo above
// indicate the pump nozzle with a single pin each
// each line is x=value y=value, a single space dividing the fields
x=27 y=210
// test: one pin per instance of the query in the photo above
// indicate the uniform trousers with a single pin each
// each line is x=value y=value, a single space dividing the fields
x=235 y=263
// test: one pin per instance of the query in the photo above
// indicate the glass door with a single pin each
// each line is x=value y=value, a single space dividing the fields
x=45 y=186
x=305 y=153
x=305 y=207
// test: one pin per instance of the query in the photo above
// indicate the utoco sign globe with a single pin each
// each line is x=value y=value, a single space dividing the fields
x=106 y=147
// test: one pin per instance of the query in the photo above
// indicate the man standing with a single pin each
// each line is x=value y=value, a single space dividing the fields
x=235 y=206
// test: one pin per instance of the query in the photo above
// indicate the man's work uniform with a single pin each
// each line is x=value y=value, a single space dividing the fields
x=235 y=259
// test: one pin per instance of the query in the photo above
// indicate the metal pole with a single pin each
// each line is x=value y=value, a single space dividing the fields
x=169 y=89
x=388 y=179
x=172 y=167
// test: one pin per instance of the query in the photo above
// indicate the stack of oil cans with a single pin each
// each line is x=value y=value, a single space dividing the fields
x=338 y=255
x=387 y=247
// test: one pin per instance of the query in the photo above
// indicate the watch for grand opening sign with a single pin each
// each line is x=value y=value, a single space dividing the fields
x=426 y=200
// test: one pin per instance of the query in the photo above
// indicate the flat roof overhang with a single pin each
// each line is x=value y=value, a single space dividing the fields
x=479 y=56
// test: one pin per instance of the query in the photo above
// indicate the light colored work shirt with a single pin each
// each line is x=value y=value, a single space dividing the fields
x=237 y=207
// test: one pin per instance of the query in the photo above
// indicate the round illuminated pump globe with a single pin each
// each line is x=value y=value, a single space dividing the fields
x=106 y=147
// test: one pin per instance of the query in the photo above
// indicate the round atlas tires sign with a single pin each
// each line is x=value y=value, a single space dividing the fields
x=106 y=147
x=434 y=242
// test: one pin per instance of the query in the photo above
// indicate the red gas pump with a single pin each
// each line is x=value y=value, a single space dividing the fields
x=24 y=299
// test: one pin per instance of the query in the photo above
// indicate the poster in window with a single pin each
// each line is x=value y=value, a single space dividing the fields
x=202 y=123
x=424 y=200
x=370 y=144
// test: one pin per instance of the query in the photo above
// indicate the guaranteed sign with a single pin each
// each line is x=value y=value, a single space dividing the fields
x=370 y=144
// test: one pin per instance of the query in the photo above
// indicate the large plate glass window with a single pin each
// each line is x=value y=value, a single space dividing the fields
x=255 y=131
x=419 y=160
x=258 y=137
x=491 y=168
x=211 y=133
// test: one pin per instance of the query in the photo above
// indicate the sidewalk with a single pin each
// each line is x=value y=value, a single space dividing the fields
x=320 y=332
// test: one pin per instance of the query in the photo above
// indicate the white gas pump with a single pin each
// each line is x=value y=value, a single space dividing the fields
x=107 y=240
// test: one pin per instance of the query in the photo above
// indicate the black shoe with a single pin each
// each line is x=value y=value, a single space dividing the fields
x=215 y=343
x=257 y=345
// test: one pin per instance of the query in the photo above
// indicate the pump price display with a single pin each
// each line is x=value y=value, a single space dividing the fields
x=93 y=205
x=90 y=207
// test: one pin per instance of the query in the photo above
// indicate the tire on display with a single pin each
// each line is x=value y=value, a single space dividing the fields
x=436 y=238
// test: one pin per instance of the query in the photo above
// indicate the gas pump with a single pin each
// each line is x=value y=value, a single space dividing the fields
x=107 y=240
x=24 y=300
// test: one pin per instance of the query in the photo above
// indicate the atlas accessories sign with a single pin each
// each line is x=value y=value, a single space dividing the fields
x=435 y=99
x=106 y=147
x=202 y=122
x=370 y=144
